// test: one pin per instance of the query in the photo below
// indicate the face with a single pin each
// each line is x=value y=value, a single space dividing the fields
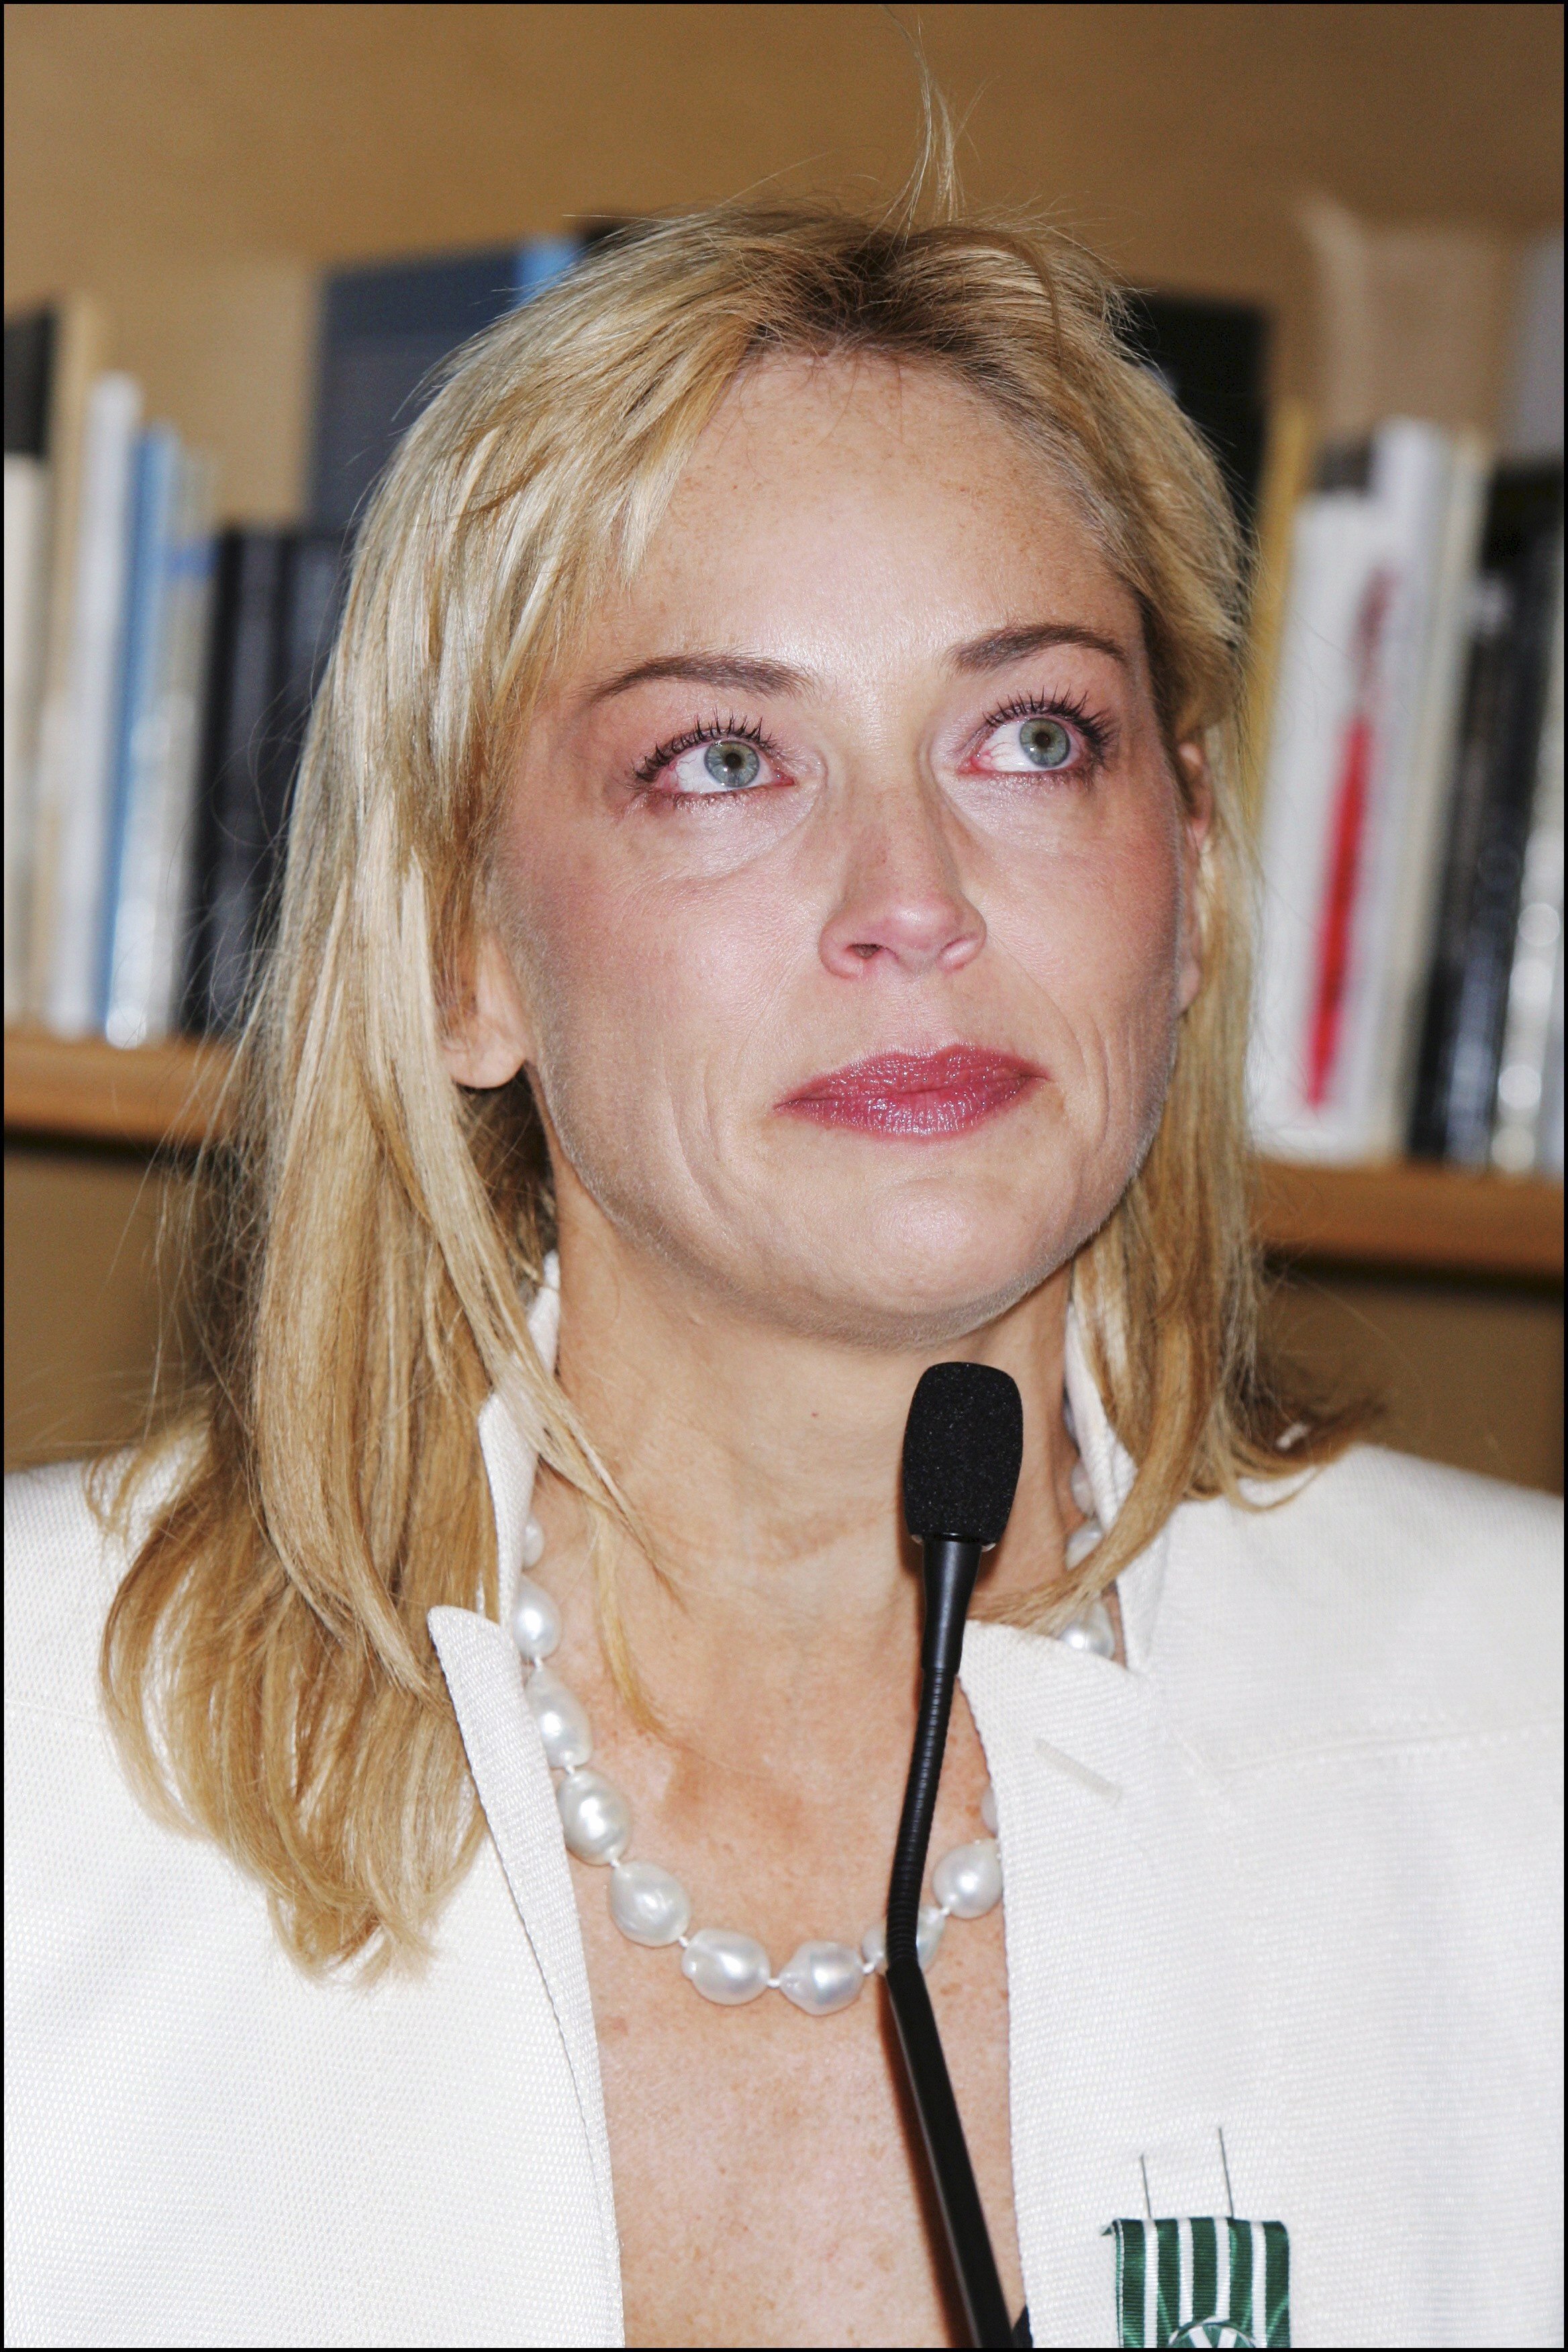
x=844 y=906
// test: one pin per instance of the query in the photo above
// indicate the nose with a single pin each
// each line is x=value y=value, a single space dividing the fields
x=902 y=904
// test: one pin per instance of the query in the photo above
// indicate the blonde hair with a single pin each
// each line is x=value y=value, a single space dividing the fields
x=376 y=1232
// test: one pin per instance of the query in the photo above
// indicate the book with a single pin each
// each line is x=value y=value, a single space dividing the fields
x=1549 y=1157
x=1524 y=1085
x=384 y=332
x=1401 y=918
x=51 y=358
x=81 y=729
x=1494 y=780
x=1356 y=767
x=277 y=596
x=154 y=494
x=1213 y=358
x=166 y=656
x=27 y=587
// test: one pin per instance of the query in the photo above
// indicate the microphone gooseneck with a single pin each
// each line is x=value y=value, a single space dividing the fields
x=963 y=1445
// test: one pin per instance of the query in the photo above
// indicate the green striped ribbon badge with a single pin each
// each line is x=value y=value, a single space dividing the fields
x=1202 y=2281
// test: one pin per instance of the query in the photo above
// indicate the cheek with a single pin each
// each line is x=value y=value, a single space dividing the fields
x=1101 y=934
x=643 y=990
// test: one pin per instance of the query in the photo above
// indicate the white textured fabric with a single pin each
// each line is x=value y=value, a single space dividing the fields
x=1294 y=1876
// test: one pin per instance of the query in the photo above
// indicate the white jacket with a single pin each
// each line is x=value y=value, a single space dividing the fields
x=1293 y=1875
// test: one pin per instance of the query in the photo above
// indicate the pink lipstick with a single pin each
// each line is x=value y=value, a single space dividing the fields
x=916 y=1095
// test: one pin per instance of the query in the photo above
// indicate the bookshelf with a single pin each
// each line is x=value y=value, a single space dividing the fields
x=1406 y=1216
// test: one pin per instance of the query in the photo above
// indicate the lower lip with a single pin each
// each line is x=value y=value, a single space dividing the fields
x=913 y=1105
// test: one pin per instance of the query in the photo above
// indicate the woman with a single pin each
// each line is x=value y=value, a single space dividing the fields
x=769 y=837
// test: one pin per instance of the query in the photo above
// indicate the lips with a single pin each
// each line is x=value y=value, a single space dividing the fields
x=917 y=1095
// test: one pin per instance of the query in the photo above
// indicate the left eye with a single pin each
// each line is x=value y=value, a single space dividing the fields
x=1030 y=745
x=729 y=765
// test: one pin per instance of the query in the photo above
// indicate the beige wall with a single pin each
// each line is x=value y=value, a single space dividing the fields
x=194 y=165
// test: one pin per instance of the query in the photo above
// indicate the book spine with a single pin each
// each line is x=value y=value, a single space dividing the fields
x=1523 y=1087
x=231 y=855
x=314 y=578
x=26 y=588
x=1401 y=912
x=189 y=640
x=1313 y=823
x=85 y=748
x=1549 y=1155
x=75 y=349
x=1480 y=1000
x=139 y=752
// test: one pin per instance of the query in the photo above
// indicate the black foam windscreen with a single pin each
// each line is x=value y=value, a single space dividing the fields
x=963 y=1445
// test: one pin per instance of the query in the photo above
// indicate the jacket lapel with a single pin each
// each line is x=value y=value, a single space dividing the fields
x=484 y=1675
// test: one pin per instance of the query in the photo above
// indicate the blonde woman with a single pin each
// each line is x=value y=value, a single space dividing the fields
x=766 y=913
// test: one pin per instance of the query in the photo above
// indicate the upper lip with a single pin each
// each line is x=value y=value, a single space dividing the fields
x=898 y=1073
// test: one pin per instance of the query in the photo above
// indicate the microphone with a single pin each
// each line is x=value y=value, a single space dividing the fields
x=963 y=1445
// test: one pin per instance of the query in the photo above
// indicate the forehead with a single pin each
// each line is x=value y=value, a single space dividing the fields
x=865 y=485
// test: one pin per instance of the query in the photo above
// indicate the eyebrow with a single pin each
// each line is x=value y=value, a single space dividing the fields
x=750 y=674
x=1002 y=646
x=746 y=673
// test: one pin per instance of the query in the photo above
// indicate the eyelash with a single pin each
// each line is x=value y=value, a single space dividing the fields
x=733 y=731
x=1096 y=728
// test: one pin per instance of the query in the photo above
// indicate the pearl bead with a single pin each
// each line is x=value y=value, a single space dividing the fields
x=594 y=1815
x=562 y=1721
x=1081 y=1542
x=535 y=1621
x=1082 y=1492
x=725 y=1965
x=988 y=1808
x=928 y=1936
x=532 y=1542
x=647 y=1905
x=1092 y=1632
x=967 y=1882
x=821 y=1977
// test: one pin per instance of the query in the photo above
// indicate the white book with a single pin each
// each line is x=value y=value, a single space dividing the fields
x=1549 y=1154
x=1524 y=1078
x=161 y=750
x=1402 y=913
x=26 y=591
x=1343 y=553
x=1410 y=480
x=1355 y=795
x=81 y=727
x=75 y=360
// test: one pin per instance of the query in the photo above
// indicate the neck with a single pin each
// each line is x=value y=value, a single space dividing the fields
x=763 y=1463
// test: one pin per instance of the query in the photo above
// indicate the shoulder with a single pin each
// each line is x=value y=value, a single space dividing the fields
x=1381 y=1596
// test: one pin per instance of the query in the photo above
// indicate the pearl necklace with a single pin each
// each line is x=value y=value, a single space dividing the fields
x=650 y=1906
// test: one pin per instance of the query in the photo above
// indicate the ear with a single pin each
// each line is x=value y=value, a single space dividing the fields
x=1196 y=816
x=490 y=1037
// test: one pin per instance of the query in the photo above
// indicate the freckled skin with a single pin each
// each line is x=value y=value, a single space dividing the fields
x=749 y=1299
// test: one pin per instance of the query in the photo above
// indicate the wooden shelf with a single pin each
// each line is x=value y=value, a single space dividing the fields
x=84 y=1086
x=1442 y=1221
x=1418 y=1217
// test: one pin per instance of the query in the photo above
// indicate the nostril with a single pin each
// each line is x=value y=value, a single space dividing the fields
x=865 y=949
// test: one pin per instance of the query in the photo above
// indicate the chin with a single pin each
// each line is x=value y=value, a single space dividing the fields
x=925 y=1273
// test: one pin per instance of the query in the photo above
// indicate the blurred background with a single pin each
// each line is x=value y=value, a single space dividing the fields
x=235 y=240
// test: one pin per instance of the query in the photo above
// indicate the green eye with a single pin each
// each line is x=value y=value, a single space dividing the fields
x=1045 y=743
x=732 y=765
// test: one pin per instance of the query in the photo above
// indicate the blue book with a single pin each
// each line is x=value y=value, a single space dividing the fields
x=383 y=332
x=155 y=494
